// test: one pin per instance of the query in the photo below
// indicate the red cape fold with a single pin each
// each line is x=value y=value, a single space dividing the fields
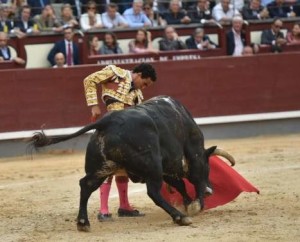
x=227 y=184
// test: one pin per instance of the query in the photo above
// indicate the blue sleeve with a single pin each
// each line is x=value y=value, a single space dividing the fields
x=52 y=53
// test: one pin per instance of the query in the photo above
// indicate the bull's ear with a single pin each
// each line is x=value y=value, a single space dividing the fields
x=210 y=150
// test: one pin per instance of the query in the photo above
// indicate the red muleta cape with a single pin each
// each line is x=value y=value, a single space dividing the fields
x=227 y=184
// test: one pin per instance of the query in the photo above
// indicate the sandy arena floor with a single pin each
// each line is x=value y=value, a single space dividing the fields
x=39 y=200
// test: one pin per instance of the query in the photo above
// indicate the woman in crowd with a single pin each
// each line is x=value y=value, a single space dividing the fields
x=293 y=37
x=15 y=7
x=67 y=17
x=94 y=45
x=47 y=20
x=110 y=45
x=148 y=10
x=142 y=42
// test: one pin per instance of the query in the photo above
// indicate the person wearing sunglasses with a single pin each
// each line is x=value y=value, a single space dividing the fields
x=274 y=36
x=152 y=16
x=91 y=19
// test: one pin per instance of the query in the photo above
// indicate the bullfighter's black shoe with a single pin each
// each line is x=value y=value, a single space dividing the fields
x=129 y=213
x=104 y=217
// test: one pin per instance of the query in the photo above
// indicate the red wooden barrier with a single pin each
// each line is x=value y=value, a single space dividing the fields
x=208 y=87
x=10 y=65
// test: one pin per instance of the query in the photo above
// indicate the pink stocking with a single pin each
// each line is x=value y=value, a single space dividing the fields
x=104 y=194
x=122 y=185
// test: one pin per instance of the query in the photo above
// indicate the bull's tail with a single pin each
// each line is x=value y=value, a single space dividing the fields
x=40 y=139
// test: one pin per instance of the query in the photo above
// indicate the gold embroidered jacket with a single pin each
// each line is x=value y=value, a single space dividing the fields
x=116 y=83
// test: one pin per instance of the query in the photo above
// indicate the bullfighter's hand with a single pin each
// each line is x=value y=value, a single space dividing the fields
x=96 y=111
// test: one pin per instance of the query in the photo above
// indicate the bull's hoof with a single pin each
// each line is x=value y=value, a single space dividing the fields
x=193 y=208
x=208 y=192
x=183 y=221
x=83 y=226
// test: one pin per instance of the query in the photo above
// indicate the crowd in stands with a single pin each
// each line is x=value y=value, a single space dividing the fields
x=24 y=17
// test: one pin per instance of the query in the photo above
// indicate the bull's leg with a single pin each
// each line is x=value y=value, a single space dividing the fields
x=88 y=185
x=179 y=185
x=153 y=190
x=196 y=171
x=198 y=204
x=191 y=207
x=200 y=188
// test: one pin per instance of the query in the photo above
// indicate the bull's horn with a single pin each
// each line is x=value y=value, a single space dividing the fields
x=224 y=154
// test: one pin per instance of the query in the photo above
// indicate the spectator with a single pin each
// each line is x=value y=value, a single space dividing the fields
x=201 y=12
x=67 y=47
x=110 y=45
x=223 y=12
x=148 y=10
x=16 y=6
x=112 y=18
x=171 y=40
x=279 y=9
x=238 y=4
x=37 y=6
x=77 y=6
x=5 y=23
x=200 y=41
x=67 y=18
x=25 y=24
x=11 y=13
x=293 y=36
x=59 y=60
x=123 y=5
x=94 y=45
x=160 y=6
x=91 y=19
x=5 y=54
x=47 y=20
x=135 y=17
x=274 y=36
x=175 y=15
x=255 y=11
x=142 y=42
x=235 y=38
x=247 y=51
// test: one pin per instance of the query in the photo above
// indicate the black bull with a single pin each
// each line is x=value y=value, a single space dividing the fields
x=154 y=142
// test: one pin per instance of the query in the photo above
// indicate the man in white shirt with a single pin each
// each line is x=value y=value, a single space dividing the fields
x=224 y=11
x=235 y=38
x=66 y=46
x=112 y=18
